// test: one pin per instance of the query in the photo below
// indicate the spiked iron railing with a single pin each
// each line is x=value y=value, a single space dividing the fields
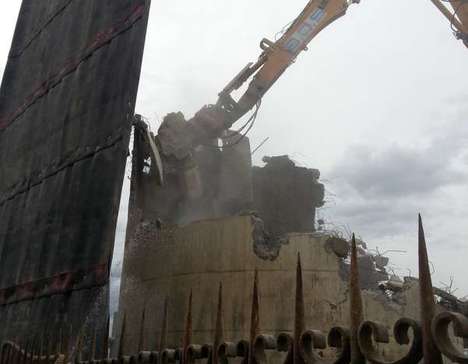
x=427 y=341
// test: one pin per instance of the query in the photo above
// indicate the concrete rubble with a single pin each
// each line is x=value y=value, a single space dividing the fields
x=243 y=218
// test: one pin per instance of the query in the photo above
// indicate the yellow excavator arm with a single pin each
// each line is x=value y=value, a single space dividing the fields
x=278 y=56
x=456 y=11
x=176 y=139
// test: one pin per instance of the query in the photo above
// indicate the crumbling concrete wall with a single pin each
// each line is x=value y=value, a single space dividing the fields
x=286 y=196
x=165 y=261
x=215 y=182
x=218 y=180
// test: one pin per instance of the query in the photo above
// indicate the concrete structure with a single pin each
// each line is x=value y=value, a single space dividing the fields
x=171 y=261
x=243 y=219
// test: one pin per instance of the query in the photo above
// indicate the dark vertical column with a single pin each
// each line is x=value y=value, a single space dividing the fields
x=66 y=107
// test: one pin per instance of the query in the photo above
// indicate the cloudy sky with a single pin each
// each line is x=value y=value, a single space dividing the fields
x=378 y=104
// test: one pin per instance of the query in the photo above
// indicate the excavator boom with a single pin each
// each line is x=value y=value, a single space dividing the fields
x=457 y=14
x=278 y=56
x=211 y=121
x=176 y=139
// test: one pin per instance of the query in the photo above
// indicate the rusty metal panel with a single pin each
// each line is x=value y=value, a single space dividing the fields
x=66 y=105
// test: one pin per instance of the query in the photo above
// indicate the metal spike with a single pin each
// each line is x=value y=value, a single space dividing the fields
x=33 y=349
x=59 y=347
x=17 y=353
x=106 y=339
x=254 y=318
x=94 y=343
x=356 y=315
x=79 y=345
x=142 y=331
x=24 y=356
x=188 y=330
x=66 y=343
x=299 y=316
x=48 y=348
x=28 y=349
x=218 y=337
x=25 y=352
x=15 y=359
x=431 y=353
x=122 y=336
x=39 y=344
x=8 y=355
x=41 y=348
x=163 y=339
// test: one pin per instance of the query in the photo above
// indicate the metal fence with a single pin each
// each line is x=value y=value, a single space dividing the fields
x=428 y=340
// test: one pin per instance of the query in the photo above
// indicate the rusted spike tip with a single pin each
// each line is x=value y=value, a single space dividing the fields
x=255 y=308
x=26 y=351
x=219 y=318
x=299 y=317
x=122 y=336
x=218 y=337
x=188 y=329
x=163 y=339
x=79 y=345
x=94 y=342
x=254 y=317
x=356 y=316
x=141 y=343
x=188 y=324
x=60 y=340
x=106 y=339
x=431 y=352
x=66 y=344
x=299 y=308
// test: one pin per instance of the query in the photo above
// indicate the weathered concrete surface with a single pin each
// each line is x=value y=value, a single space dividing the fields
x=286 y=196
x=214 y=182
x=168 y=262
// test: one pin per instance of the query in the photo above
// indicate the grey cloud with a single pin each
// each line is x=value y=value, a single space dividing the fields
x=380 y=190
x=399 y=171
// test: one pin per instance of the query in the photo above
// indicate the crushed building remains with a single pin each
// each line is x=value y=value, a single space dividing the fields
x=227 y=234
